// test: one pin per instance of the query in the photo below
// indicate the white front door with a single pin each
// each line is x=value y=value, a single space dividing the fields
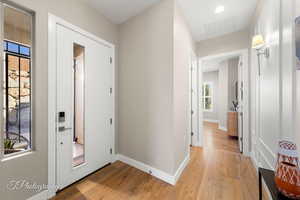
x=84 y=105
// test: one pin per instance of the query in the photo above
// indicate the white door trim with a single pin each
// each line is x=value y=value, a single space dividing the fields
x=193 y=74
x=246 y=78
x=52 y=21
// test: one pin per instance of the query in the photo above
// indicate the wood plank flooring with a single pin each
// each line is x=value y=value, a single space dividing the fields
x=215 y=172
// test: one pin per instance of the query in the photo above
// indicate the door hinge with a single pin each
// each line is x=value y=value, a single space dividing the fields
x=110 y=90
x=192 y=134
x=110 y=121
x=74 y=65
x=110 y=60
x=192 y=112
x=110 y=150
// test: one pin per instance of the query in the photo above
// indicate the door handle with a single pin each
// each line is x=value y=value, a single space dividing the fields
x=62 y=128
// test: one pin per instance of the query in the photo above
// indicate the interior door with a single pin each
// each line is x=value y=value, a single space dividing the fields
x=240 y=103
x=84 y=106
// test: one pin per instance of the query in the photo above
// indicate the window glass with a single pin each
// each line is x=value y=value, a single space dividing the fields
x=78 y=131
x=12 y=47
x=207 y=98
x=17 y=81
x=208 y=103
x=25 y=50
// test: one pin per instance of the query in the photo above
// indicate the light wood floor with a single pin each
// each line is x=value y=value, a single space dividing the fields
x=216 y=172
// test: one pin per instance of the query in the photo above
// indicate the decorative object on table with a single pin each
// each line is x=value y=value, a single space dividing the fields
x=297 y=42
x=235 y=105
x=287 y=172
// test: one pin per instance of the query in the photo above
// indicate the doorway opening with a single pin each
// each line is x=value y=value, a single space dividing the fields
x=223 y=101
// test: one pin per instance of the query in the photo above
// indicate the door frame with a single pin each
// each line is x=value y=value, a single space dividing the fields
x=240 y=98
x=246 y=78
x=52 y=22
x=193 y=73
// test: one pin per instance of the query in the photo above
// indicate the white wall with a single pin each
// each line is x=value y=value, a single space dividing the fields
x=146 y=87
x=212 y=77
x=289 y=11
x=297 y=89
x=155 y=52
x=268 y=99
x=223 y=44
x=273 y=94
x=223 y=95
x=183 y=48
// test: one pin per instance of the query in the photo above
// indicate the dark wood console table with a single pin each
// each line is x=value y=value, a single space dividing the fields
x=268 y=177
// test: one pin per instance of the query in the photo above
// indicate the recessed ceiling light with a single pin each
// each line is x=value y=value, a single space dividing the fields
x=219 y=9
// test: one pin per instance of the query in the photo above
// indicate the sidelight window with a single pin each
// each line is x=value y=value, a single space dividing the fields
x=16 y=80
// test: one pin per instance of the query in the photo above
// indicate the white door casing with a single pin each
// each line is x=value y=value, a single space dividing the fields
x=194 y=100
x=200 y=135
x=240 y=103
x=245 y=76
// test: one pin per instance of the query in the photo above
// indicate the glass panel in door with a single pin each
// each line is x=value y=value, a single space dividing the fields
x=78 y=133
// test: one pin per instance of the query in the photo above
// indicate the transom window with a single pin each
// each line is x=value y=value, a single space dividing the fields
x=12 y=47
x=207 y=97
x=16 y=68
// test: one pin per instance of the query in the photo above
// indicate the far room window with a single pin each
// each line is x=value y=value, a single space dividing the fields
x=207 y=97
x=17 y=73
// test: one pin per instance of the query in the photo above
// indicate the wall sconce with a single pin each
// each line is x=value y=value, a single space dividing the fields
x=258 y=43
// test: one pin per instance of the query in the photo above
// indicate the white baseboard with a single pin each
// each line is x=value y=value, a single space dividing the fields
x=266 y=157
x=171 y=179
x=222 y=128
x=51 y=193
x=146 y=168
x=182 y=166
x=253 y=160
x=40 y=196
x=197 y=144
x=211 y=120
x=114 y=158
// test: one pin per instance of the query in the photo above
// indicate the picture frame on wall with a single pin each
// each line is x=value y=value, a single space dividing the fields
x=297 y=42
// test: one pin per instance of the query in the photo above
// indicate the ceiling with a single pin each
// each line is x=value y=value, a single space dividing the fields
x=205 y=24
x=200 y=14
x=120 y=11
x=213 y=64
x=210 y=67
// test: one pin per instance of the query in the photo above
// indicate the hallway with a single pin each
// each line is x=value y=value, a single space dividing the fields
x=228 y=174
x=215 y=172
